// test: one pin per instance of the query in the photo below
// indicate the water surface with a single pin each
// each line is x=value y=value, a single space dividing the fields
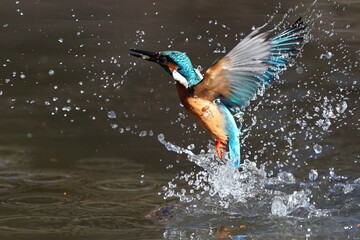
x=85 y=129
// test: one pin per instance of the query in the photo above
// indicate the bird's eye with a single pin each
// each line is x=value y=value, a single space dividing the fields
x=163 y=59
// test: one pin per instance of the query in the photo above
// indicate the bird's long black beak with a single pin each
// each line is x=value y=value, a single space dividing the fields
x=146 y=55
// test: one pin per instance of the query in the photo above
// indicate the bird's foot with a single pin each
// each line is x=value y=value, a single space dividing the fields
x=220 y=147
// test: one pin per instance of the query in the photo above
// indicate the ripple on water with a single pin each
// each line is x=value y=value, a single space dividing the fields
x=36 y=200
x=47 y=178
x=5 y=187
x=12 y=154
x=102 y=206
x=113 y=224
x=13 y=175
x=124 y=185
x=118 y=165
x=33 y=224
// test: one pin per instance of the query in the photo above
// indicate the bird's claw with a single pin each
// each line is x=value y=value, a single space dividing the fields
x=220 y=147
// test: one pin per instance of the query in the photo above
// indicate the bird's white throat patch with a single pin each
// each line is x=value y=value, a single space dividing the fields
x=180 y=78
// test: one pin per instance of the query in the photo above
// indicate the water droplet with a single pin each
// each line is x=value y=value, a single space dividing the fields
x=287 y=177
x=142 y=134
x=299 y=70
x=51 y=72
x=326 y=55
x=111 y=115
x=313 y=175
x=161 y=137
x=317 y=148
x=191 y=147
x=169 y=166
x=341 y=107
x=324 y=123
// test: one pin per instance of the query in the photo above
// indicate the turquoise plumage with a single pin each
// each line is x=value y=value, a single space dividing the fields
x=260 y=61
x=231 y=82
x=233 y=133
x=187 y=70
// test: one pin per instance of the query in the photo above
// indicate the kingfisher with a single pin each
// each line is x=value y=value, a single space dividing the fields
x=232 y=81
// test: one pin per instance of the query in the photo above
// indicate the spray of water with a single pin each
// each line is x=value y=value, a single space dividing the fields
x=283 y=194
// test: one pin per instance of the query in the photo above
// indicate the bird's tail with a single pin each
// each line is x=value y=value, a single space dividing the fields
x=234 y=149
x=233 y=133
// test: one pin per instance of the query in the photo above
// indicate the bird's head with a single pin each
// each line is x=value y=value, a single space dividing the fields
x=176 y=63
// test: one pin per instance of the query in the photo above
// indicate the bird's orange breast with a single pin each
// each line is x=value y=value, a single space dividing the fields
x=206 y=111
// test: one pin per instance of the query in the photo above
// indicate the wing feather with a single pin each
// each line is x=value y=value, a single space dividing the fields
x=252 y=64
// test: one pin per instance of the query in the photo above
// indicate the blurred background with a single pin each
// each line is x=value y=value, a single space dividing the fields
x=80 y=118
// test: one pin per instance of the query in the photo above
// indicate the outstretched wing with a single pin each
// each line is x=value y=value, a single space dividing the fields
x=254 y=63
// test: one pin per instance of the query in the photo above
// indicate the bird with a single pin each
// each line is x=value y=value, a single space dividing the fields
x=232 y=81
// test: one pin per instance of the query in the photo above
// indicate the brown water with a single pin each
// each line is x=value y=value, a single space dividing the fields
x=80 y=156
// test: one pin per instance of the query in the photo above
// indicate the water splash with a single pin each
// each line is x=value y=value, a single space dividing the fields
x=218 y=193
x=228 y=186
x=313 y=175
x=326 y=55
